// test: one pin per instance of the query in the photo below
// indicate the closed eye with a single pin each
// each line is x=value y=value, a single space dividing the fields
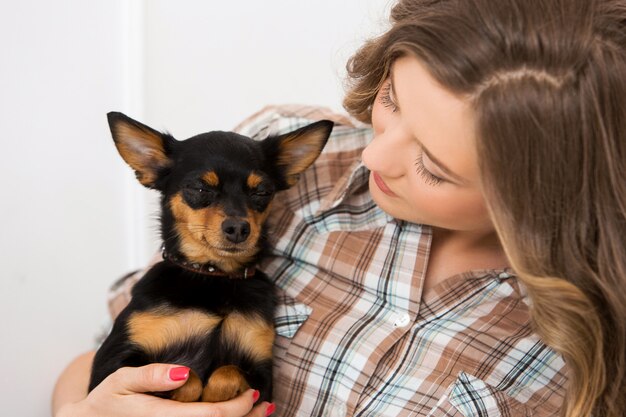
x=202 y=190
x=261 y=193
x=199 y=195
x=429 y=177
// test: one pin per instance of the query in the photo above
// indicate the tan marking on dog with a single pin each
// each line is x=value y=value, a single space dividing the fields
x=211 y=178
x=202 y=240
x=250 y=333
x=190 y=391
x=254 y=180
x=156 y=329
x=225 y=383
x=142 y=150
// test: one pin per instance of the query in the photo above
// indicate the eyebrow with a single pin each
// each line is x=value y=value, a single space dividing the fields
x=435 y=160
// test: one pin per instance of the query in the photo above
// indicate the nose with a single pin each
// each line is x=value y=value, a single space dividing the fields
x=387 y=153
x=236 y=230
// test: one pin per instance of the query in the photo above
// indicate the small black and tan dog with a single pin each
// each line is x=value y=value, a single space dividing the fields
x=205 y=306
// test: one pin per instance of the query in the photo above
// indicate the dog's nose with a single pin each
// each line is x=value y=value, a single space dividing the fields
x=236 y=230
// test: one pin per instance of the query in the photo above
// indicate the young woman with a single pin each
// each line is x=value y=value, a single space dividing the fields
x=474 y=262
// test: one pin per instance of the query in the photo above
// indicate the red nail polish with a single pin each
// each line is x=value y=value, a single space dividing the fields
x=270 y=409
x=255 y=396
x=179 y=374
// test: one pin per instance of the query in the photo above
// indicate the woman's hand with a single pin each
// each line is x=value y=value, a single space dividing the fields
x=123 y=394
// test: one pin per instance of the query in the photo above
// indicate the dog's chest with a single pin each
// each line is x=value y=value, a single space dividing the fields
x=157 y=329
x=173 y=308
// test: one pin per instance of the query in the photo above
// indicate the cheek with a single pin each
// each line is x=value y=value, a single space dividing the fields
x=452 y=209
x=196 y=225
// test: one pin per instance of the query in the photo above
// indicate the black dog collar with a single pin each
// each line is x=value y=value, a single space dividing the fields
x=206 y=269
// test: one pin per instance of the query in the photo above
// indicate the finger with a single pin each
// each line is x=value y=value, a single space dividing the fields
x=262 y=410
x=237 y=407
x=155 y=377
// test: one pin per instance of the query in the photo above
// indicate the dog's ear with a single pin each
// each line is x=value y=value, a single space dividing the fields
x=295 y=151
x=143 y=148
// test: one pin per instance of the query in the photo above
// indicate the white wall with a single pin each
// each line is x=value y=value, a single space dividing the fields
x=62 y=233
x=72 y=218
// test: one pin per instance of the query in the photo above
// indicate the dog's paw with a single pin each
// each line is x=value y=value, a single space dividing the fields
x=190 y=392
x=225 y=383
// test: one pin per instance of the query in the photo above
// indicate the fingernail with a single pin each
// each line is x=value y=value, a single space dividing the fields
x=179 y=374
x=270 y=409
x=255 y=395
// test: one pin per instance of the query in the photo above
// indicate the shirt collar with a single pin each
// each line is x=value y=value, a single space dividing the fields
x=355 y=179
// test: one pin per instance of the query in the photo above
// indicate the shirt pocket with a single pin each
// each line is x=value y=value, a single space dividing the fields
x=469 y=396
x=289 y=316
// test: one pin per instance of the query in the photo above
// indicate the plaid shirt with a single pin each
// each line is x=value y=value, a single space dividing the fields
x=355 y=334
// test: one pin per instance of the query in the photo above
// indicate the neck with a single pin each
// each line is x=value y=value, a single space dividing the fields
x=485 y=242
x=207 y=269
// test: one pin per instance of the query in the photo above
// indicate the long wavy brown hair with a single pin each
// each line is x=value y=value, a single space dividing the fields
x=547 y=80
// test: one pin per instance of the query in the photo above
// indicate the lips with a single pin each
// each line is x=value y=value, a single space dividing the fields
x=381 y=184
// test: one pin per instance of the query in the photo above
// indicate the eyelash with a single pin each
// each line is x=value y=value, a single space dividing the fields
x=385 y=98
x=428 y=176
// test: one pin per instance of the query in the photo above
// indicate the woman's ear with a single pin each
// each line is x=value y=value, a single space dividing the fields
x=295 y=151
x=142 y=147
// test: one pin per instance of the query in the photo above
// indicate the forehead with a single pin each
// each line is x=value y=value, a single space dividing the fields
x=218 y=155
x=443 y=122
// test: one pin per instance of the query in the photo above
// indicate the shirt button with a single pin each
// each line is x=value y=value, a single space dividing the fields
x=403 y=320
x=502 y=276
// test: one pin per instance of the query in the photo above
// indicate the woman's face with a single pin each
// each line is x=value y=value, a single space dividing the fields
x=423 y=161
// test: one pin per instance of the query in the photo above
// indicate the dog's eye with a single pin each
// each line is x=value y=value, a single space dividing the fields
x=207 y=192
x=260 y=198
x=198 y=196
x=260 y=193
x=201 y=190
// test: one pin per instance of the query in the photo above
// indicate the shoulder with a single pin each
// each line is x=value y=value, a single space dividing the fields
x=333 y=172
x=279 y=119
